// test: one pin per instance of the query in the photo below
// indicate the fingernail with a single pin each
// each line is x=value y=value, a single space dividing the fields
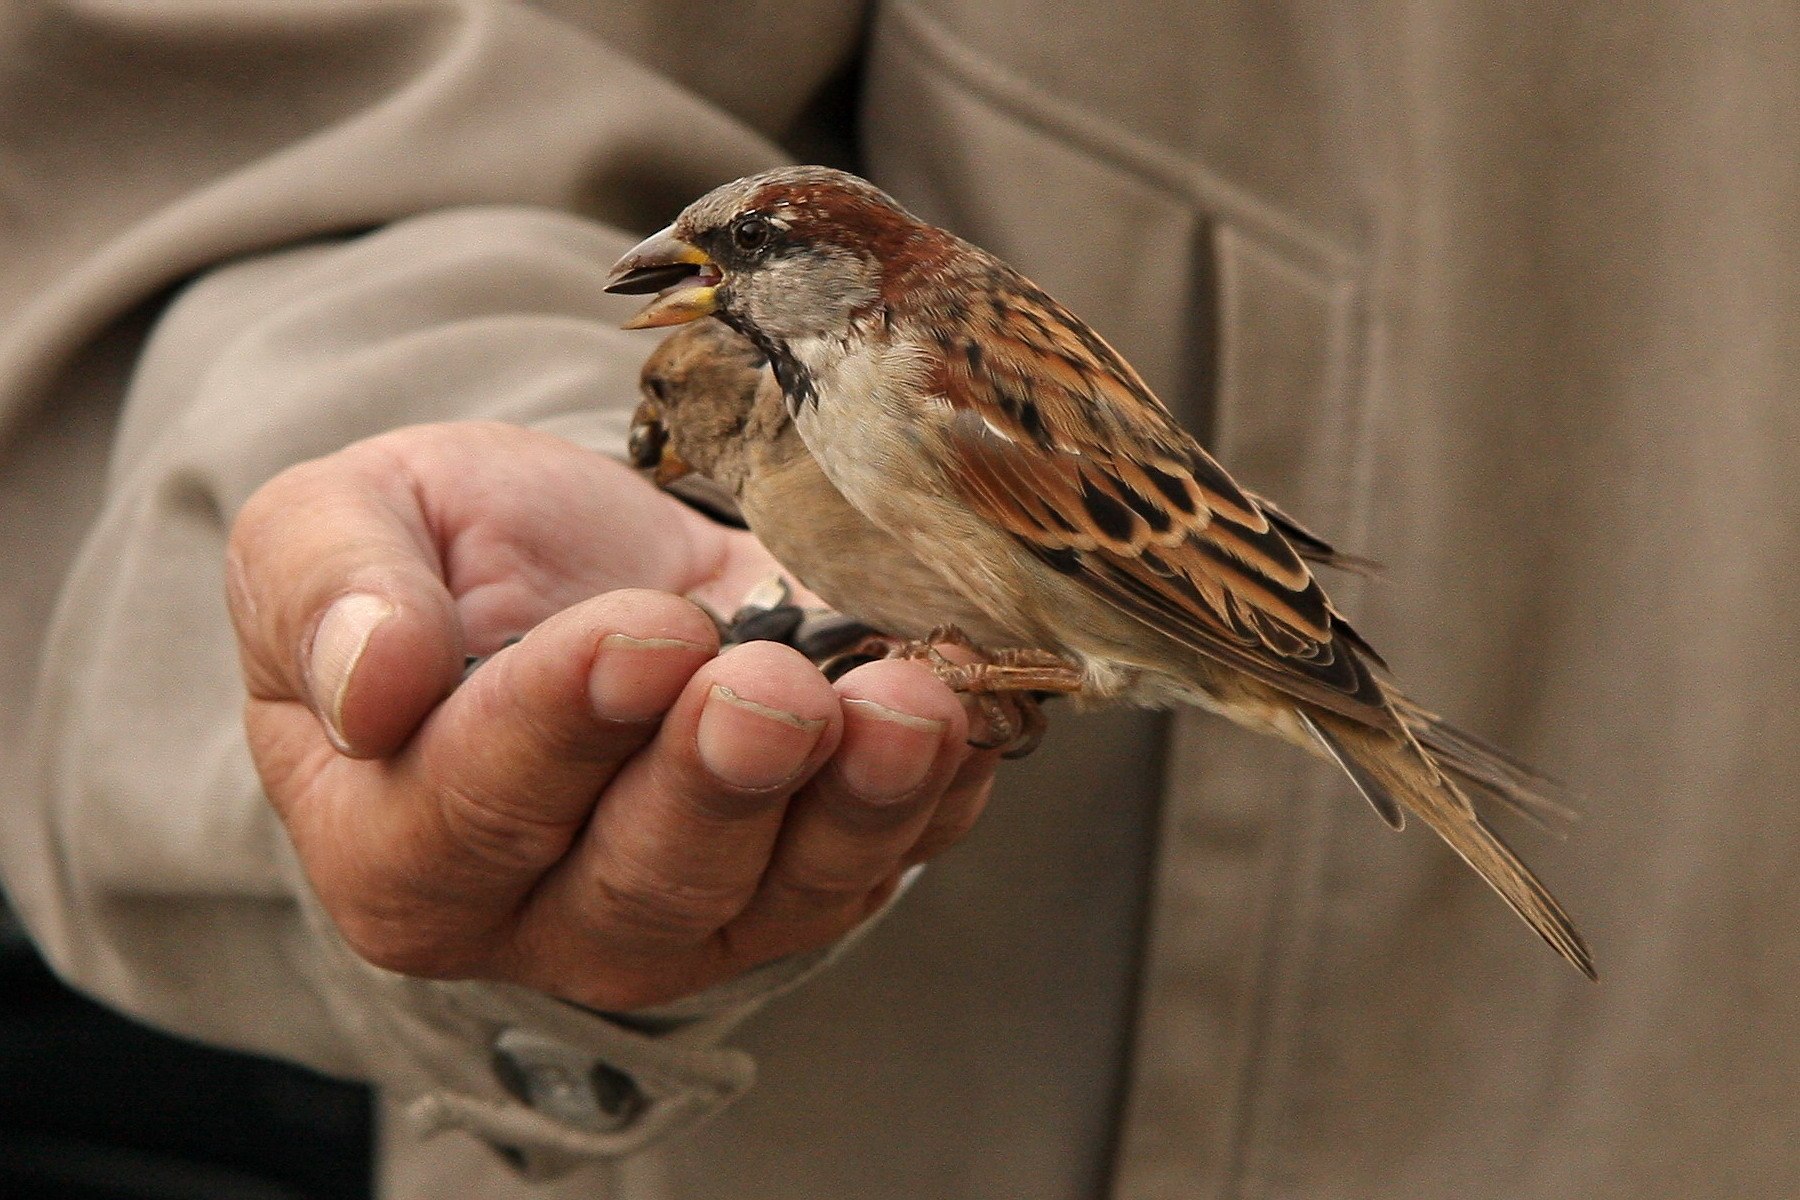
x=886 y=753
x=337 y=647
x=751 y=745
x=636 y=679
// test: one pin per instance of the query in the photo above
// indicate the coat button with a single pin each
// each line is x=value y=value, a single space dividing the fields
x=566 y=1084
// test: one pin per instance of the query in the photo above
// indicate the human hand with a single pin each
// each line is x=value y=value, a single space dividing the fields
x=608 y=811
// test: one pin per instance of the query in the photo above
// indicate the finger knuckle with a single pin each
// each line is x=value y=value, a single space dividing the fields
x=831 y=886
x=871 y=816
x=648 y=904
x=505 y=838
x=568 y=736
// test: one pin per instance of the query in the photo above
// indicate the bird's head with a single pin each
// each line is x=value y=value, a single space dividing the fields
x=789 y=253
x=700 y=392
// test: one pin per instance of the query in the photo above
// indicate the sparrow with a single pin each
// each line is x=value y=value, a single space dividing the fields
x=1007 y=447
x=710 y=411
x=709 y=407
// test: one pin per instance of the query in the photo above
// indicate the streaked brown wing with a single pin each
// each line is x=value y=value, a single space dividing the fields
x=1057 y=440
x=1310 y=546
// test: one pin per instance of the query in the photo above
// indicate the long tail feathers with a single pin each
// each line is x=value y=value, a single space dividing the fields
x=1384 y=804
x=1397 y=775
x=1541 y=799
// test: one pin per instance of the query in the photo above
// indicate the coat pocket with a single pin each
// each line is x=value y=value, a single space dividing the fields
x=1246 y=321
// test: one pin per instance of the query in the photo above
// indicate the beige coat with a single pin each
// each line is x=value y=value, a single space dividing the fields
x=1505 y=296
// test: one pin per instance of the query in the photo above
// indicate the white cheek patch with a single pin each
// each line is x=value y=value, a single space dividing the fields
x=808 y=294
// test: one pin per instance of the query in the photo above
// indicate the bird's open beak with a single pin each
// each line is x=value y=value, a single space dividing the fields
x=649 y=446
x=687 y=278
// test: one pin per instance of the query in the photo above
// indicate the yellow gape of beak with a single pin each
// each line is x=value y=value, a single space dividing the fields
x=662 y=262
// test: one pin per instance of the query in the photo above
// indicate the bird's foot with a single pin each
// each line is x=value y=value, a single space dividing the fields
x=1006 y=686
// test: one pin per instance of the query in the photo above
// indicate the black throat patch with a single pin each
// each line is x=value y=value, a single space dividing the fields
x=796 y=382
x=797 y=386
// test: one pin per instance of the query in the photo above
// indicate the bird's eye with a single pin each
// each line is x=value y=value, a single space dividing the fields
x=751 y=233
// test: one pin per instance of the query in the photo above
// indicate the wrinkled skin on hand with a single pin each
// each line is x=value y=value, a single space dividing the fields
x=610 y=810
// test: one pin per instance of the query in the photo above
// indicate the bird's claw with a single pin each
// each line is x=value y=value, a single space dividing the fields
x=1007 y=686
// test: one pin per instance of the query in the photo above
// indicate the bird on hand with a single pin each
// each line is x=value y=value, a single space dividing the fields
x=945 y=444
x=711 y=410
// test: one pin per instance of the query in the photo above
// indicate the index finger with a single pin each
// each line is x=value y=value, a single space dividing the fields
x=683 y=835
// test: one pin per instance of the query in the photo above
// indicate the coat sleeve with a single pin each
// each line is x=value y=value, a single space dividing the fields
x=410 y=221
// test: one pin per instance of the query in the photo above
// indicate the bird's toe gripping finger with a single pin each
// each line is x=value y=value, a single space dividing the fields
x=1006 y=687
x=1014 y=726
x=1009 y=672
x=998 y=727
x=1010 y=678
x=1032 y=727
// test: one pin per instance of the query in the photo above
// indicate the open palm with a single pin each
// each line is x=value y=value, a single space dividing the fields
x=610 y=810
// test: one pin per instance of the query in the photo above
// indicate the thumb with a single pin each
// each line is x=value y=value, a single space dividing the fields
x=337 y=600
